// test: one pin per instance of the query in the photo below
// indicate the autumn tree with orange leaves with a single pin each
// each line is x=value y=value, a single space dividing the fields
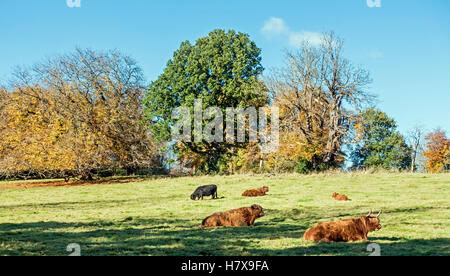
x=437 y=152
x=76 y=114
x=33 y=137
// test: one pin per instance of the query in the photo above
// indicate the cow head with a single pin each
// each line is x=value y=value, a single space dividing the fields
x=373 y=222
x=194 y=196
x=335 y=195
x=265 y=189
x=257 y=210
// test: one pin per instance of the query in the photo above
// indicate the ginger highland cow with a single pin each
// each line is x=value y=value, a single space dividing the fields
x=245 y=216
x=256 y=192
x=342 y=197
x=348 y=230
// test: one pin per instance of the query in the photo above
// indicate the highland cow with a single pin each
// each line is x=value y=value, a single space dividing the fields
x=256 y=192
x=349 y=230
x=208 y=190
x=245 y=216
x=341 y=197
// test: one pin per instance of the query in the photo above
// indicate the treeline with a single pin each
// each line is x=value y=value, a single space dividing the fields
x=89 y=112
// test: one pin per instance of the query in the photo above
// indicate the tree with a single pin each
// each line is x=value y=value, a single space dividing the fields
x=437 y=151
x=33 y=140
x=320 y=91
x=381 y=145
x=222 y=71
x=98 y=96
x=416 y=137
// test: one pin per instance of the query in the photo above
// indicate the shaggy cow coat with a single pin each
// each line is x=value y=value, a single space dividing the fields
x=245 y=216
x=340 y=197
x=348 y=230
x=256 y=192
x=207 y=190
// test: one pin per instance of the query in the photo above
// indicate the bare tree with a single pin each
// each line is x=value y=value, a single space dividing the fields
x=416 y=138
x=322 y=92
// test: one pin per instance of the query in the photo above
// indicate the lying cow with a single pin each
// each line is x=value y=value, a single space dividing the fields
x=207 y=190
x=245 y=216
x=256 y=192
x=340 y=197
x=345 y=230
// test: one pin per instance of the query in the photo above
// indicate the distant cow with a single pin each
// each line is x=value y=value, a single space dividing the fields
x=345 y=230
x=340 y=197
x=245 y=216
x=256 y=192
x=207 y=190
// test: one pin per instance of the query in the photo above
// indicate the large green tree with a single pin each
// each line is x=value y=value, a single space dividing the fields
x=222 y=71
x=381 y=145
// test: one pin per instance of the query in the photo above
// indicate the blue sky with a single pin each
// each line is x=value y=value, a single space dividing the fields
x=405 y=44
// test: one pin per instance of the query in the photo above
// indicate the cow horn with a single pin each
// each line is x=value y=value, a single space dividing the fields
x=379 y=214
x=371 y=211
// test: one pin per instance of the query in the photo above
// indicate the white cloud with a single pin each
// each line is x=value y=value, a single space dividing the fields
x=277 y=27
x=376 y=54
x=274 y=26
x=297 y=39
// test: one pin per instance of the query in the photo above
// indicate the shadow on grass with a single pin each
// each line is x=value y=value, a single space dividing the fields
x=77 y=182
x=139 y=236
x=71 y=204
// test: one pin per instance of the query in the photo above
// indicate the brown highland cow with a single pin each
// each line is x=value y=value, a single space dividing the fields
x=256 y=192
x=245 y=216
x=348 y=230
x=340 y=197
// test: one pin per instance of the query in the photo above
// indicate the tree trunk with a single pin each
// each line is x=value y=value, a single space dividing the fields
x=131 y=171
x=212 y=163
x=413 y=162
x=86 y=176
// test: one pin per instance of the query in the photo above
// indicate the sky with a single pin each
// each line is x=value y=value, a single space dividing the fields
x=404 y=44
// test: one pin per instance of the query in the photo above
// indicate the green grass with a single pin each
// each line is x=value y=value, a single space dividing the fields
x=156 y=217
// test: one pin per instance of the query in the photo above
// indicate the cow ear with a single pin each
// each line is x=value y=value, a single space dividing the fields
x=254 y=206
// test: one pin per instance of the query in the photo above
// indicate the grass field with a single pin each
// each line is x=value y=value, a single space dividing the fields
x=156 y=217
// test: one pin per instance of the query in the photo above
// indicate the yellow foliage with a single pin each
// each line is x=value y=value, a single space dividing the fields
x=34 y=137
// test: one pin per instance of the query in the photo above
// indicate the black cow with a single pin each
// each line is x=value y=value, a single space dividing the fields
x=208 y=190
